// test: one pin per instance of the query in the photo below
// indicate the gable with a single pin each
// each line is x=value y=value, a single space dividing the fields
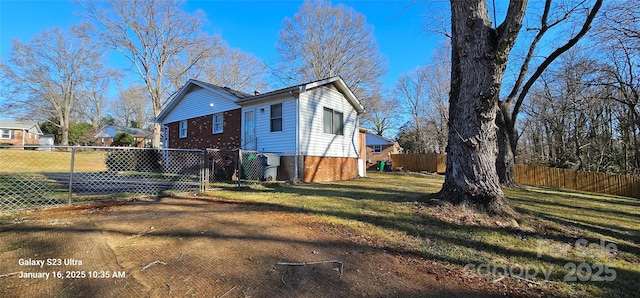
x=195 y=102
x=28 y=126
x=373 y=139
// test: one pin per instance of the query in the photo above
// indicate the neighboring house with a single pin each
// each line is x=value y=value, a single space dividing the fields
x=318 y=120
x=380 y=148
x=19 y=133
x=105 y=136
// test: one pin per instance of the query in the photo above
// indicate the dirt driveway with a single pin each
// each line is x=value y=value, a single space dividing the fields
x=210 y=248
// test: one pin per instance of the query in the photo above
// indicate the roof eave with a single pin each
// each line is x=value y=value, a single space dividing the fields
x=183 y=91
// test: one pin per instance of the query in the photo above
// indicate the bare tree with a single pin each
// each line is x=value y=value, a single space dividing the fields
x=570 y=122
x=133 y=106
x=230 y=67
x=425 y=94
x=551 y=17
x=478 y=61
x=94 y=94
x=323 y=40
x=438 y=84
x=619 y=39
x=381 y=113
x=412 y=86
x=152 y=35
x=44 y=78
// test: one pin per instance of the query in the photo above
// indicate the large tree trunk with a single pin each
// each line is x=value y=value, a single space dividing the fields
x=157 y=136
x=478 y=60
x=507 y=142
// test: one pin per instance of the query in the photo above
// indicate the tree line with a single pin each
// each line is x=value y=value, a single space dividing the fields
x=62 y=76
x=569 y=98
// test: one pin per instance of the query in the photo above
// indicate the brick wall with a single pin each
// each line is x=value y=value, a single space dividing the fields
x=199 y=132
x=373 y=158
x=29 y=138
x=319 y=168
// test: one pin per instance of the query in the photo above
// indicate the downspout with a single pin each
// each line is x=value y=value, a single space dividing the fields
x=356 y=131
x=22 y=138
x=297 y=145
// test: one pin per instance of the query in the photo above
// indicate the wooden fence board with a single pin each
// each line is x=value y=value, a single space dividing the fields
x=434 y=163
x=613 y=184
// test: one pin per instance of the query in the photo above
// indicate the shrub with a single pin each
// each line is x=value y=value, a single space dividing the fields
x=134 y=160
x=123 y=140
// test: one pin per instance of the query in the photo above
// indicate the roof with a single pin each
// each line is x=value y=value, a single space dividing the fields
x=110 y=131
x=336 y=80
x=226 y=92
x=236 y=93
x=31 y=126
x=374 y=139
x=241 y=98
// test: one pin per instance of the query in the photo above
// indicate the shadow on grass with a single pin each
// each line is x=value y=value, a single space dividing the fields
x=442 y=233
x=452 y=235
x=439 y=238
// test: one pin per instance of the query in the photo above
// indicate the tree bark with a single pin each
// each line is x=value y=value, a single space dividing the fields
x=507 y=142
x=478 y=60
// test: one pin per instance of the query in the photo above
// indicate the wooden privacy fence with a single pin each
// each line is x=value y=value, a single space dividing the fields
x=604 y=183
x=434 y=163
x=613 y=184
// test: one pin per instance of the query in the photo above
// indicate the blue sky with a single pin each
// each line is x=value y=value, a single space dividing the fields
x=253 y=26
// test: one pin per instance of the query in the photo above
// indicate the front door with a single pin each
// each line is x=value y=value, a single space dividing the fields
x=250 y=141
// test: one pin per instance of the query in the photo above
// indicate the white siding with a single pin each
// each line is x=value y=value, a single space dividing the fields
x=313 y=140
x=197 y=103
x=279 y=141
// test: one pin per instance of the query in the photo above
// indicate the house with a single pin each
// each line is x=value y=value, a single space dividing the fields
x=104 y=137
x=19 y=133
x=380 y=148
x=317 y=121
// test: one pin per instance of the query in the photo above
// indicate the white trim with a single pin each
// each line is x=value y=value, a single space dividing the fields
x=214 y=123
x=2 y=130
x=183 y=129
x=377 y=151
x=281 y=118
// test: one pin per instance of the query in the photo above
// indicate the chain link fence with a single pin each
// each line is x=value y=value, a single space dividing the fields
x=242 y=166
x=36 y=177
x=32 y=178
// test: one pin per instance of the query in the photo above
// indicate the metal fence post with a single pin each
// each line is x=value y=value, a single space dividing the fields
x=73 y=159
x=239 y=166
x=295 y=167
x=204 y=173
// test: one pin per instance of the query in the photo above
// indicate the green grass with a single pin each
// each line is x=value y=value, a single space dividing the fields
x=29 y=161
x=399 y=212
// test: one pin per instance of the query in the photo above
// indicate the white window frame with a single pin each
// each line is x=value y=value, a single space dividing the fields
x=217 y=123
x=182 y=129
x=272 y=118
x=329 y=125
x=3 y=132
x=377 y=149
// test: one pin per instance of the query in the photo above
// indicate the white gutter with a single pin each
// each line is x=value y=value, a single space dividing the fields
x=297 y=157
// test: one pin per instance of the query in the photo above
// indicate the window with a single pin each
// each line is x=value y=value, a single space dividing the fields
x=6 y=134
x=183 y=129
x=333 y=122
x=377 y=148
x=276 y=117
x=218 y=123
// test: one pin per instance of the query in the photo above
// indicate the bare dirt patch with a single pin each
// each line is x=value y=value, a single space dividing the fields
x=207 y=247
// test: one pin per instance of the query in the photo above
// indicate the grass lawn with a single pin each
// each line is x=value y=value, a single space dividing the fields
x=31 y=161
x=566 y=243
